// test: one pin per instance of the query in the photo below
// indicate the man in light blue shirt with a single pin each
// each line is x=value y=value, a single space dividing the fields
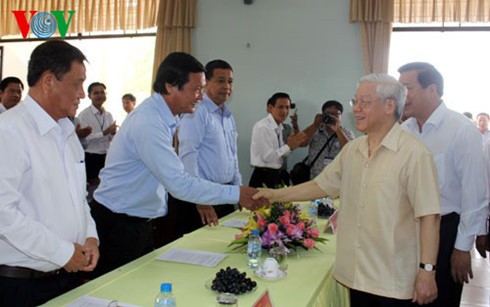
x=208 y=147
x=456 y=145
x=142 y=166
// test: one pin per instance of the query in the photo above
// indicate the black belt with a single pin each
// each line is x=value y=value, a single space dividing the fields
x=129 y=218
x=24 y=273
x=267 y=169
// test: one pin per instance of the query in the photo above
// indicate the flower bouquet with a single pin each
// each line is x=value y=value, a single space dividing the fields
x=281 y=225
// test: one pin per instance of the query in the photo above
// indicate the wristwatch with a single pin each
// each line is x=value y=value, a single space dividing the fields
x=428 y=267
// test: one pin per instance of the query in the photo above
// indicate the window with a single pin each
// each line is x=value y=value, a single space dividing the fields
x=124 y=65
x=460 y=56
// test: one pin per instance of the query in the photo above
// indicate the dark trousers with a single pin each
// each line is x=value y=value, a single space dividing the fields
x=21 y=292
x=93 y=164
x=449 y=292
x=122 y=238
x=187 y=217
x=269 y=177
x=364 y=299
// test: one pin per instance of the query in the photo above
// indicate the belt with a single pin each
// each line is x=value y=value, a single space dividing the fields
x=24 y=273
x=267 y=169
x=129 y=218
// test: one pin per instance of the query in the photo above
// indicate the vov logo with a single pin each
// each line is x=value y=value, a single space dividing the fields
x=43 y=24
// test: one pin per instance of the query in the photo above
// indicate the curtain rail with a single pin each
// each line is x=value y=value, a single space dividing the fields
x=441 y=29
x=79 y=37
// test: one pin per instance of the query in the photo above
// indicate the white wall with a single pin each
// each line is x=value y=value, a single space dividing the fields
x=305 y=48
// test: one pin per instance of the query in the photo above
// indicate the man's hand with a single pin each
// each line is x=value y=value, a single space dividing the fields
x=335 y=126
x=461 y=266
x=296 y=140
x=247 y=201
x=482 y=245
x=111 y=129
x=264 y=194
x=425 y=290
x=208 y=215
x=91 y=252
x=318 y=120
x=294 y=122
x=77 y=261
x=83 y=132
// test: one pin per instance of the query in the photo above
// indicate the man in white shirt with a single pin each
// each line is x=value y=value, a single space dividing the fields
x=103 y=130
x=46 y=229
x=267 y=148
x=128 y=102
x=10 y=93
x=482 y=123
x=456 y=145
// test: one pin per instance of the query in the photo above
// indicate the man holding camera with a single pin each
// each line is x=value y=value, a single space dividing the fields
x=267 y=147
x=327 y=136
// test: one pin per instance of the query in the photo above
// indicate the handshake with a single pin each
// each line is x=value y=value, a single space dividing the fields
x=252 y=199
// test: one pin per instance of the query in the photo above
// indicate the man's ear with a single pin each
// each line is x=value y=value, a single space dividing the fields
x=433 y=89
x=269 y=108
x=47 y=81
x=169 y=88
x=390 y=105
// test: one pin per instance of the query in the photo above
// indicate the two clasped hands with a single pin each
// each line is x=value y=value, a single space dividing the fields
x=84 y=258
x=250 y=198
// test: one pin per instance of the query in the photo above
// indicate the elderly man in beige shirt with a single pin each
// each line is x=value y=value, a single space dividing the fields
x=388 y=227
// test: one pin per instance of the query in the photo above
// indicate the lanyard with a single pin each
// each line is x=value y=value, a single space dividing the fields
x=103 y=120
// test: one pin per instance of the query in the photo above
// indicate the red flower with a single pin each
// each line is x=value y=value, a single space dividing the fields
x=301 y=225
x=284 y=220
x=315 y=232
x=309 y=243
x=272 y=227
x=261 y=221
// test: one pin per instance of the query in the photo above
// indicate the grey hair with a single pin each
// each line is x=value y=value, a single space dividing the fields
x=388 y=88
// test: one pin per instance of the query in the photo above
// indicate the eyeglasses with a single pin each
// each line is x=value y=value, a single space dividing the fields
x=361 y=103
x=336 y=113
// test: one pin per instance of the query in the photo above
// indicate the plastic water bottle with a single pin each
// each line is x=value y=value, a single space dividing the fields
x=165 y=298
x=254 y=250
x=313 y=212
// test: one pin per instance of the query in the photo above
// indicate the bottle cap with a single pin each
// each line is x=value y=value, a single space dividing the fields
x=255 y=232
x=166 y=287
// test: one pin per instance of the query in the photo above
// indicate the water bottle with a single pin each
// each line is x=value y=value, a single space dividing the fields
x=165 y=297
x=254 y=250
x=313 y=212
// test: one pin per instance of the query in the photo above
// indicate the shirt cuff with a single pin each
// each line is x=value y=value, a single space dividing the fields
x=234 y=194
x=464 y=243
x=63 y=254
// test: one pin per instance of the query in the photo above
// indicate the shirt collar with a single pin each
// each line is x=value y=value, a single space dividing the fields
x=95 y=111
x=2 y=108
x=437 y=116
x=162 y=106
x=272 y=123
x=435 y=119
x=44 y=122
x=390 y=140
x=212 y=107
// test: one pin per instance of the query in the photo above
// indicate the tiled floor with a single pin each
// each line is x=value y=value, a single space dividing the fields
x=477 y=292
